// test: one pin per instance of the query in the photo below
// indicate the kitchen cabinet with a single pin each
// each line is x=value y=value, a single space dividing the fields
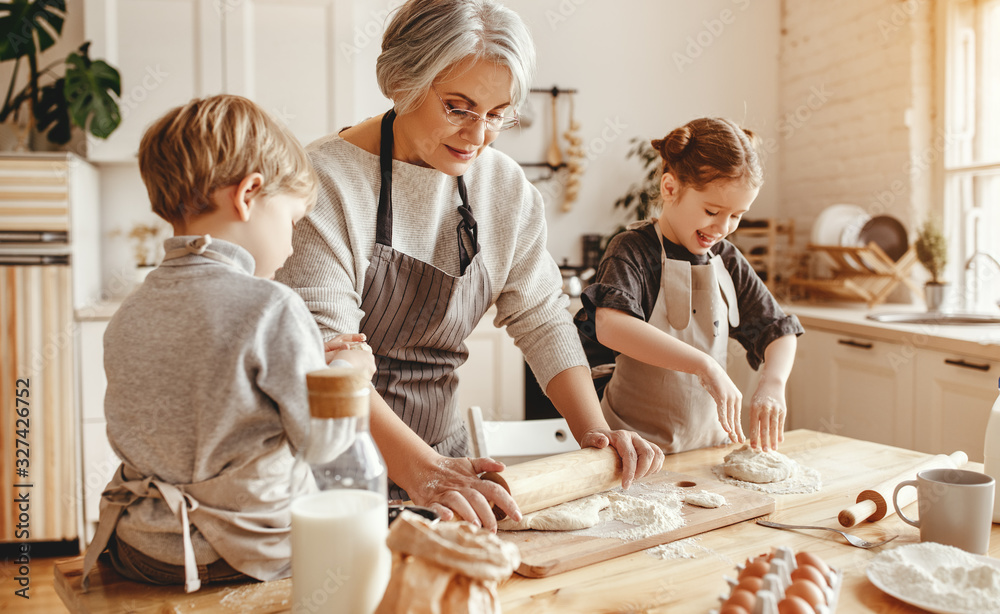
x=954 y=396
x=853 y=386
x=99 y=460
x=282 y=54
x=493 y=376
x=891 y=392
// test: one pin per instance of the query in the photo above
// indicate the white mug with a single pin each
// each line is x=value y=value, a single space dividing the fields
x=955 y=505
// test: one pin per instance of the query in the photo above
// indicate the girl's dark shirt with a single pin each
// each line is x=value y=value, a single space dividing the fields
x=628 y=279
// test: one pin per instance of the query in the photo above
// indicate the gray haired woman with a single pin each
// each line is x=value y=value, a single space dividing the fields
x=421 y=227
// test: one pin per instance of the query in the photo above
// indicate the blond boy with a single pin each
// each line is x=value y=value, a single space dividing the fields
x=206 y=399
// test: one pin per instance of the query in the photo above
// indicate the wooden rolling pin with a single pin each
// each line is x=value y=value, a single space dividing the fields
x=552 y=480
x=876 y=504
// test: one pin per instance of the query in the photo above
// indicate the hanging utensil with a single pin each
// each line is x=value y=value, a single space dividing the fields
x=554 y=157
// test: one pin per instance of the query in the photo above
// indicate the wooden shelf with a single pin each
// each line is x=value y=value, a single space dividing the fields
x=765 y=233
x=860 y=274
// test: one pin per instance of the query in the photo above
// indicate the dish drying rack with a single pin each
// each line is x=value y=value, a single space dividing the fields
x=860 y=274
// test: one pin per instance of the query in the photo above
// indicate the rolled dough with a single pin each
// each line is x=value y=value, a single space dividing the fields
x=705 y=499
x=758 y=466
x=579 y=514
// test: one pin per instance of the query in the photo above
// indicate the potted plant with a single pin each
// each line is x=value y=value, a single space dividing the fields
x=81 y=96
x=932 y=252
x=641 y=196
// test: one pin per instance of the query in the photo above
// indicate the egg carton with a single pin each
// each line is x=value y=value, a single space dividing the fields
x=777 y=580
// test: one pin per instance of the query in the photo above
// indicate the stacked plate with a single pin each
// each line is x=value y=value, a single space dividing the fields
x=851 y=226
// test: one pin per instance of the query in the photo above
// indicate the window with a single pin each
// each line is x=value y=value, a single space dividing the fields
x=972 y=148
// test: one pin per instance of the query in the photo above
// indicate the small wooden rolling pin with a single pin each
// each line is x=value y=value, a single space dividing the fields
x=552 y=480
x=876 y=504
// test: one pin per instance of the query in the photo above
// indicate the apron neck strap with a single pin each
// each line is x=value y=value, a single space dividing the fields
x=383 y=226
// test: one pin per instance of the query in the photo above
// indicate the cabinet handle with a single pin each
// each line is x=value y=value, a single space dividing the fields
x=855 y=344
x=967 y=365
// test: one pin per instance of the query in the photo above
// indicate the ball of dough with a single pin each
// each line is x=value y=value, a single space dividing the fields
x=758 y=466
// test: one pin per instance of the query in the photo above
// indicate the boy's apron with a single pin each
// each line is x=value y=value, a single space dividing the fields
x=417 y=318
x=697 y=305
x=253 y=539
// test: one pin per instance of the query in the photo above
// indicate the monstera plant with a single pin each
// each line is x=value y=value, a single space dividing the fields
x=72 y=91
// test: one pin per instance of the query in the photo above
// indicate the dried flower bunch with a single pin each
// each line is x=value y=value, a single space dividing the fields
x=932 y=249
x=146 y=240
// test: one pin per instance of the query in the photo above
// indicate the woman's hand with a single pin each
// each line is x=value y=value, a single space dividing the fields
x=767 y=416
x=639 y=457
x=728 y=398
x=452 y=486
x=352 y=348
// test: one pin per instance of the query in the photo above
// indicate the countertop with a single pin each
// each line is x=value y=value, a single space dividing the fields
x=977 y=341
x=638 y=582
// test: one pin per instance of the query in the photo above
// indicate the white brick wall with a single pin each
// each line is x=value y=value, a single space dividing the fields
x=872 y=62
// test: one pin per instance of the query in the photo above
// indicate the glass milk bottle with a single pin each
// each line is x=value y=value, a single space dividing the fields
x=991 y=454
x=340 y=562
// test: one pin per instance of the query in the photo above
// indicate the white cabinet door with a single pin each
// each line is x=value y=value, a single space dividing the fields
x=954 y=396
x=167 y=51
x=856 y=387
x=99 y=461
x=493 y=376
x=808 y=388
x=281 y=54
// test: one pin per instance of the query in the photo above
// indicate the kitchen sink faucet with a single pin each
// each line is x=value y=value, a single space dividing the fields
x=973 y=287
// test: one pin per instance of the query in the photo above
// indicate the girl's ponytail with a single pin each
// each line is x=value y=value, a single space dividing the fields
x=708 y=149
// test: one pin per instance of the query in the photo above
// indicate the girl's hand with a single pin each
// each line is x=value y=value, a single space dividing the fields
x=352 y=348
x=452 y=486
x=728 y=398
x=639 y=457
x=767 y=417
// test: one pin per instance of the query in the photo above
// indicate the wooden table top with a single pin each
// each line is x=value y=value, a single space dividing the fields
x=638 y=582
x=642 y=583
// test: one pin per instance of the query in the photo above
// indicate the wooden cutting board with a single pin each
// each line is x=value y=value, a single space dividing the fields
x=545 y=553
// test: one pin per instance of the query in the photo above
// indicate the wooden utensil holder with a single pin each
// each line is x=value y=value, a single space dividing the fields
x=860 y=274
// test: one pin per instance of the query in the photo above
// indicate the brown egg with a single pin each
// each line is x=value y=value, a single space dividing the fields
x=752 y=584
x=808 y=590
x=794 y=605
x=756 y=569
x=742 y=598
x=808 y=572
x=733 y=609
x=805 y=558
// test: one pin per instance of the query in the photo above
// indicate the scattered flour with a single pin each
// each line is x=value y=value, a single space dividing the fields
x=681 y=549
x=640 y=512
x=938 y=576
x=799 y=479
x=705 y=498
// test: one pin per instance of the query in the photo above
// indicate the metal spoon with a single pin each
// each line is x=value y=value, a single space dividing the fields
x=853 y=540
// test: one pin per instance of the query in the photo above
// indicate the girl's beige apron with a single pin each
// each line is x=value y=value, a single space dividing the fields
x=253 y=539
x=417 y=318
x=696 y=304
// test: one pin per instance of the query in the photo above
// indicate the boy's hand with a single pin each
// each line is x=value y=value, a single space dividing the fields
x=352 y=348
x=728 y=398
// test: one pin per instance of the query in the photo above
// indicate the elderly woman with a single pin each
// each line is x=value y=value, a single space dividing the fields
x=421 y=227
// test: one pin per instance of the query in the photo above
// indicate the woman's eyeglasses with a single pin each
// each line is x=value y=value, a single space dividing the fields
x=464 y=118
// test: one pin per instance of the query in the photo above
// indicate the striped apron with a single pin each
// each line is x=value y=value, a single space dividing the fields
x=417 y=318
